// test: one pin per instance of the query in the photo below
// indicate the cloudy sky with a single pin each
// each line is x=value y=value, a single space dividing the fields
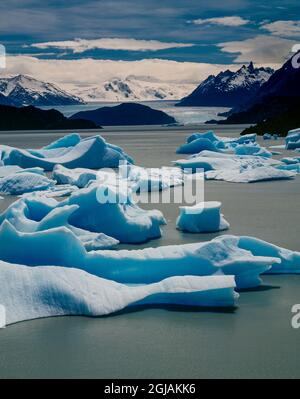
x=84 y=41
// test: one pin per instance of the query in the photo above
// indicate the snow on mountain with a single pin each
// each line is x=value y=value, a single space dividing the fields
x=24 y=90
x=228 y=88
x=134 y=88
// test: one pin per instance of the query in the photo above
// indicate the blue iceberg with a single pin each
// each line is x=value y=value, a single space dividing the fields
x=235 y=168
x=203 y=217
x=30 y=293
x=289 y=260
x=24 y=182
x=222 y=255
x=122 y=219
x=92 y=152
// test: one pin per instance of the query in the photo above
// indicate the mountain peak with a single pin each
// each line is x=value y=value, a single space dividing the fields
x=228 y=89
x=25 y=90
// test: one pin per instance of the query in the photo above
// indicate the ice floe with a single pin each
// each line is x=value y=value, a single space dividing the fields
x=92 y=152
x=222 y=255
x=31 y=293
x=235 y=168
x=203 y=217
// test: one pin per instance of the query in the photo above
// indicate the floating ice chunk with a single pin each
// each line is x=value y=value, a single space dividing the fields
x=250 y=175
x=151 y=179
x=63 y=190
x=122 y=220
x=92 y=153
x=70 y=140
x=12 y=169
x=9 y=170
x=250 y=149
x=25 y=182
x=31 y=293
x=119 y=217
x=33 y=214
x=290 y=161
x=204 y=217
x=198 y=142
x=208 y=160
x=219 y=256
x=290 y=260
x=209 y=135
x=292 y=140
x=292 y=167
x=197 y=146
x=78 y=177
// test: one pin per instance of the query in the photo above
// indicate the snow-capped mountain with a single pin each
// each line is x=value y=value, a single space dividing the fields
x=133 y=88
x=228 y=88
x=24 y=90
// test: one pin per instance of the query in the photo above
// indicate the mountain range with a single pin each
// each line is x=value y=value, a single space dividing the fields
x=275 y=107
x=228 y=89
x=23 y=90
x=133 y=88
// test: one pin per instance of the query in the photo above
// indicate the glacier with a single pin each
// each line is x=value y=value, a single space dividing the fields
x=92 y=152
x=221 y=255
x=31 y=293
x=203 y=217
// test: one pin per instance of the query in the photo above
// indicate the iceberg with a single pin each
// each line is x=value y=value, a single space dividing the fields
x=151 y=179
x=235 y=168
x=121 y=219
x=250 y=149
x=203 y=217
x=290 y=161
x=291 y=167
x=289 y=260
x=34 y=214
x=30 y=293
x=92 y=152
x=78 y=177
x=250 y=175
x=221 y=255
x=25 y=182
x=208 y=141
x=198 y=145
x=292 y=140
x=111 y=210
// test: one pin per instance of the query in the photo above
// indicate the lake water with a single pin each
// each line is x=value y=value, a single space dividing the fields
x=254 y=341
x=183 y=115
